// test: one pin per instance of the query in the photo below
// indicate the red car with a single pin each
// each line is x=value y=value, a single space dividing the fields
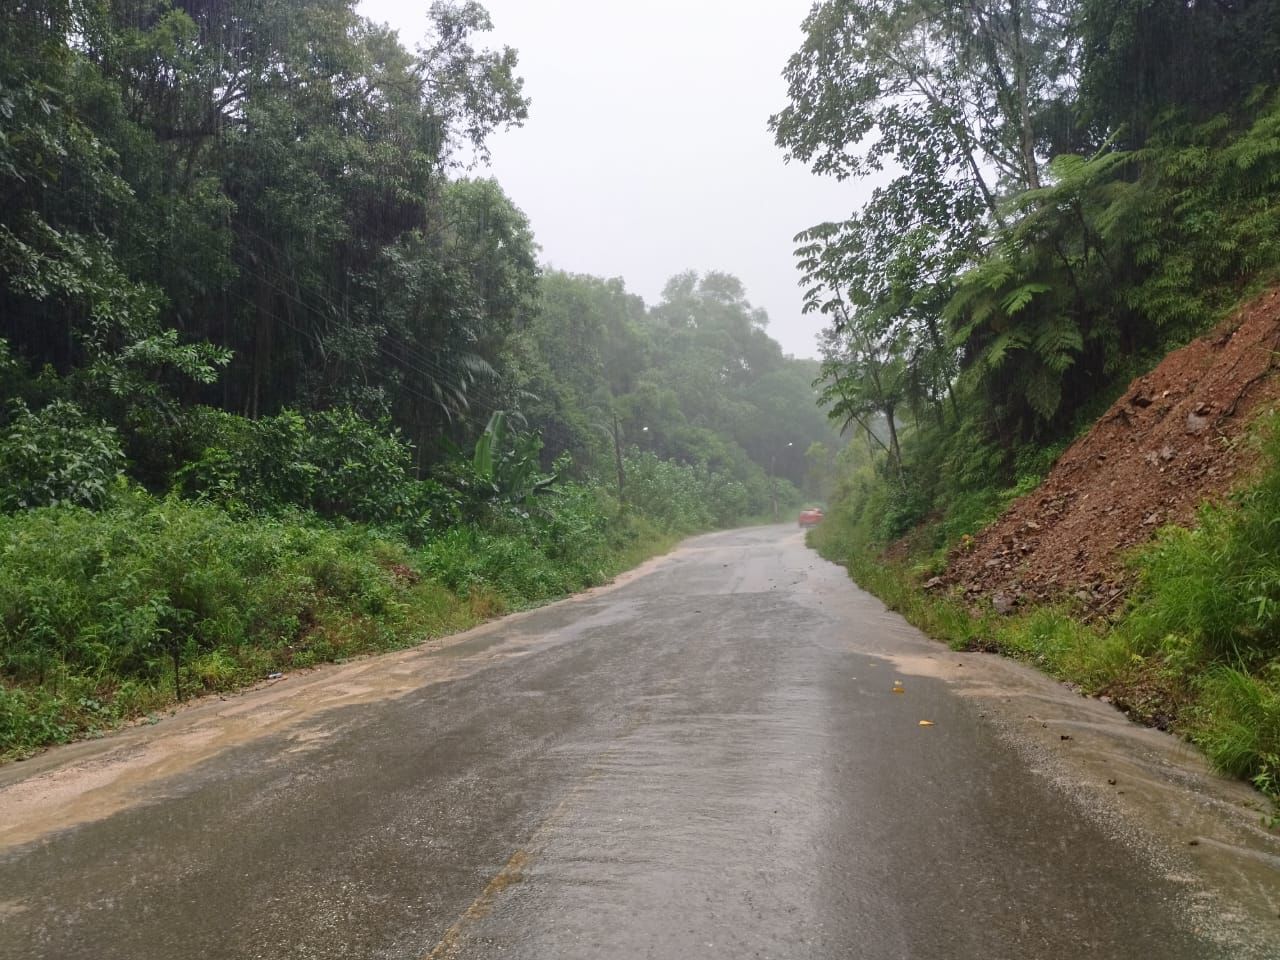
x=810 y=517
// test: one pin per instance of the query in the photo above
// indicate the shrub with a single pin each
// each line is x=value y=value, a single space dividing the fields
x=56 y=456
x=1239 y=724
x=333 y=462
x=686 y=497
x=122 y=592
x=567 y=543
x=1218 y=585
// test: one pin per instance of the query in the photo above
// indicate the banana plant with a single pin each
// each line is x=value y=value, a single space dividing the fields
x=513 y=471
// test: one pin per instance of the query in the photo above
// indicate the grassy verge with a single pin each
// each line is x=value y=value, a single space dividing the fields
x=110 y=615
x=1099 y=659
x=1197 y=651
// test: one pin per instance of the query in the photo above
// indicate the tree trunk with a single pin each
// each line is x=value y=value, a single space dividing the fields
x=617 y=456
x=1026 y=130
x=894 y=450
x=261 y=353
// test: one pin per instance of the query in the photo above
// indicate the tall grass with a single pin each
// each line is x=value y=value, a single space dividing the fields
x=1210 y=602
x=1218 y=585
x=108 y=615
x=1238 y=723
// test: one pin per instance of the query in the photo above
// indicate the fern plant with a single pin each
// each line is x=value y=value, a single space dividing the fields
x=1119 y=257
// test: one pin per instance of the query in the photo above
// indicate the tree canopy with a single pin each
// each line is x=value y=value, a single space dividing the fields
x=269 y=208
x=1063 y=186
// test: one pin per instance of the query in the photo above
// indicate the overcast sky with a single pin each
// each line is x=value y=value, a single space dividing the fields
x=647 y=149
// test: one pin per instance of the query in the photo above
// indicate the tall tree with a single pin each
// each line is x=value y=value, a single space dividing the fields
x=1144 y=58
x=951 y=96
x=276 y=177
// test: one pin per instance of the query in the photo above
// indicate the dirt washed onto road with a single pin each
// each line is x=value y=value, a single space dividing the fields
x=87 y=781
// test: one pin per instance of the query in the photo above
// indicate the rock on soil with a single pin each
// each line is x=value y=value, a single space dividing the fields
x=1173 y=441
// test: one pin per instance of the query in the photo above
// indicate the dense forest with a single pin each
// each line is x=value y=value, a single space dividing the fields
x=284 y=381
x=1064 y=191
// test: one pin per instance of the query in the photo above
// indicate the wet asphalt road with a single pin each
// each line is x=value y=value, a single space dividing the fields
x=706 y=762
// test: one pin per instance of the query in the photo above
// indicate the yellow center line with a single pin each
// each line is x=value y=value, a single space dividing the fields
x=512 y=871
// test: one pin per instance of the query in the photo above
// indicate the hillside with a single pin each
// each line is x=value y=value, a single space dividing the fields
x=1175 y=439
x=1055 y=224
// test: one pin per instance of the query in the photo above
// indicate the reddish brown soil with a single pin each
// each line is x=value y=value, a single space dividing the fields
x=1173 y=441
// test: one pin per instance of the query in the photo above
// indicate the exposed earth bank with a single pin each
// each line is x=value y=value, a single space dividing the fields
x=1175 y=439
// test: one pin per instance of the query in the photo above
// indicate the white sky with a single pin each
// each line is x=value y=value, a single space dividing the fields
x=647 y=150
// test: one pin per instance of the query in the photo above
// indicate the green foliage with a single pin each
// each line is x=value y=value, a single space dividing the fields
x=522 y=561
x=684 y=497
x=332 y=462
x=108 y=614
x=511 y=471
x=262 y=208
x=1044 y=286
x=1142 y=58
x=56 y=456
x=1239 y=724
x=265 y=187
x=1198 y=644
x=66 y=291
x=1218 y=585
x=1052 y=286
x=241 y=263
x=103 y=598
x=1118 y=255
x=696 y=380
x=362 y=470
x=954 y=96
x=938 y=89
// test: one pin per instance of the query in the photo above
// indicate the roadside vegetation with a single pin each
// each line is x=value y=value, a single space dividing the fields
x=281 y=383
x=1195 y=650
x=1066 y=191
x=114 y=613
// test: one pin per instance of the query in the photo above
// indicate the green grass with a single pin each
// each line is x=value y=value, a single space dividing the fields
x=113 y=614
x=1049 y=637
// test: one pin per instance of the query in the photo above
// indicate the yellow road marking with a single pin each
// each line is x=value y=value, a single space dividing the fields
x=511 y=872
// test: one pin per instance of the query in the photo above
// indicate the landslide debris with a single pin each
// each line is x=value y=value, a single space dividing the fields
x=1171 y=442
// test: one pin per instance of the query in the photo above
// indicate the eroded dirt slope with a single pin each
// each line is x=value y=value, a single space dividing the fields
x=1173 y=440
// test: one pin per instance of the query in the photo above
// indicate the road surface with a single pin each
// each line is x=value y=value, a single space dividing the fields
x=709 y=760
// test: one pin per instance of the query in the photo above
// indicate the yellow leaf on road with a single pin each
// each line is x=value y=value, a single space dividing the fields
x=926 y=723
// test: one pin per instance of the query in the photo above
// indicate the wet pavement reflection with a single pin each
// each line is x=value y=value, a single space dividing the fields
x=709 y=761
